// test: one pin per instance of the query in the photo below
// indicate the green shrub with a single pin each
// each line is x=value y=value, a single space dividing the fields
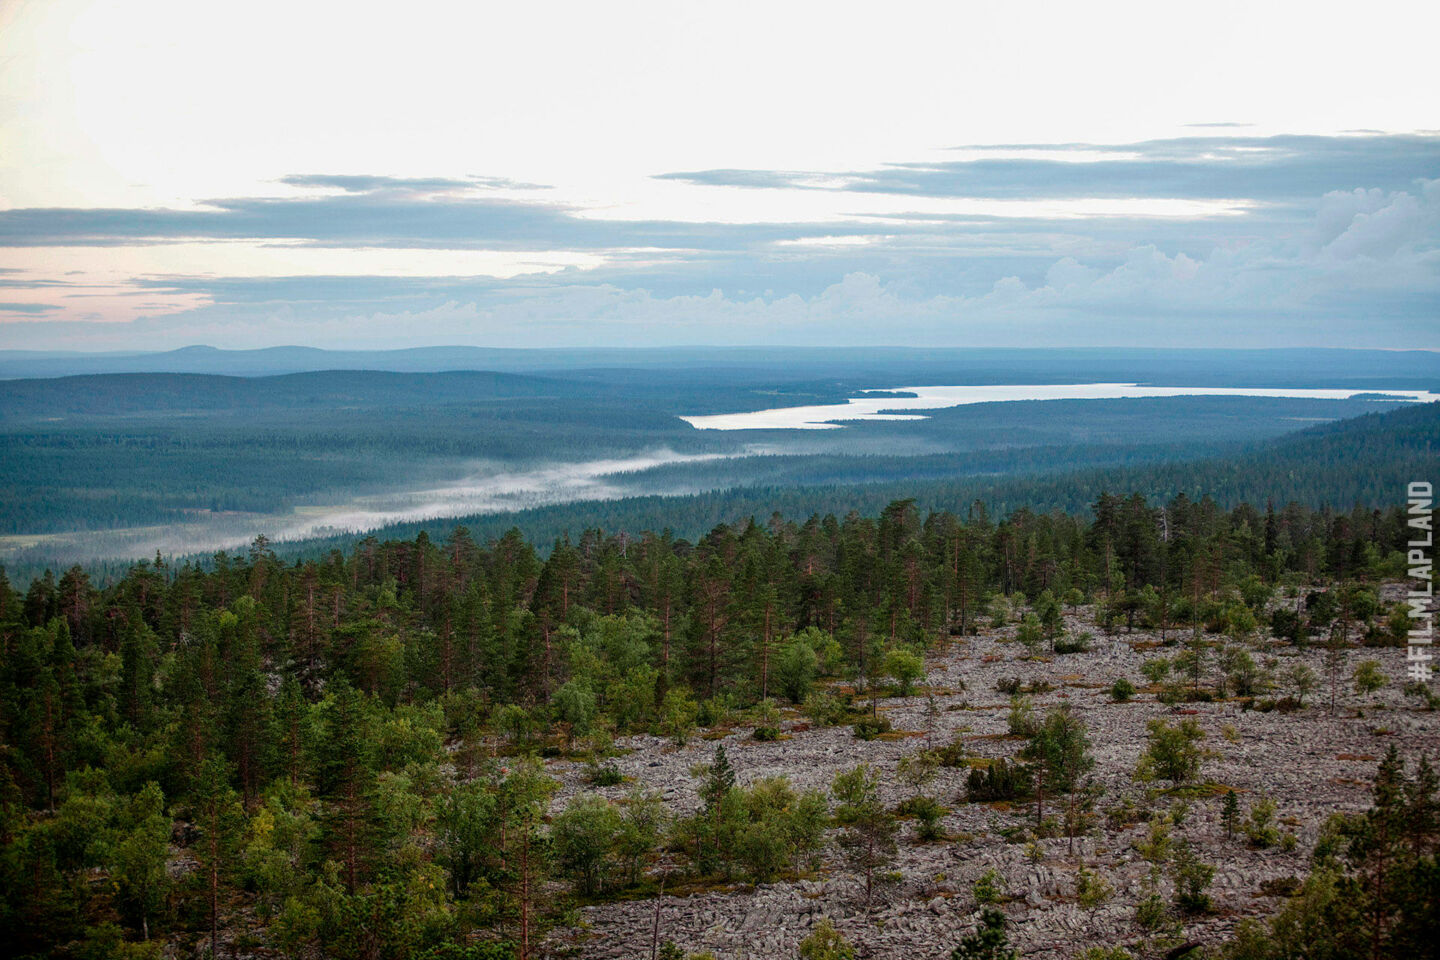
x=1091 y=889
x=927 y=812
x=1173 y=752
x=678 y=715
x=1106 y=953
x=1002 y=780
x=868 y=728
x=904 y=667
x=953 y=754
x=989 y=889
x=795 y=668
x=824 y=709
x=826 y=943
x=1151 y=913
x=715 y=712
x=605 y=775
x=1192 y=878
x=988 y=941
x=1260 y=827
x=1021 y=720
x=1122 y=690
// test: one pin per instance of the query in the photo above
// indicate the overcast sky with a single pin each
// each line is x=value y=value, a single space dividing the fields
x=543 y=174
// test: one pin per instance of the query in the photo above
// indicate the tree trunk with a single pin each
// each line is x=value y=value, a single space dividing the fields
x=525 y=894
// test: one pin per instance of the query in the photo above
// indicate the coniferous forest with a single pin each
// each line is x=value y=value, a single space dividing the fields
x=419 y=748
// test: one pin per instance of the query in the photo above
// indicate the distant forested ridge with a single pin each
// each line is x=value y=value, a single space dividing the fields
x=252 y=462
x=1277 y=367
x=319 y=737
x=128 y=450
x=1365 y=461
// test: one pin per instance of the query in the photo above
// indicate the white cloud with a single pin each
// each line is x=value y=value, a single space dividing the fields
x=1379 y=227
x=1364 y=271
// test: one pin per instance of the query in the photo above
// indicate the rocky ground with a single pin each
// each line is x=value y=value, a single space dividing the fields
x=1310 y=763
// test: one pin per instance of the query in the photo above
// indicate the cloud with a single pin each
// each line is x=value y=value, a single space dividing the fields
x=1375 y=279
x=28 y=308
x=365 y=214
x=368 y=183
x=459 y=213
x=1356 y=263
x=372 y=184
x=1267 y=169
x=1378 y=227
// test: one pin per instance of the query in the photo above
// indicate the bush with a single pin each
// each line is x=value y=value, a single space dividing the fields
x=1260 y=827
x=868 y=728
x=1192 y=877
x=1156 y=669
x=928 y=828
x=1280 y=887
x=1002 y=780
x=1421 y=691
x=583 y=837
x=605 y=775
x=678 y=715
x=766 y=734
x=1122 y=690
x=953 y=754
x=1242 y=675
x=796 y=668
x=989 y=888
x=1030 y=633
x=904 y=667
x=1008 y=686
x=988 y=941
x=1285 y=624
x=927 y=812
x=1091 y=889
x=761 y=847
x=1173 y=752
x=1021 y=719
x=1075 y=644
x=826 y=943
x=824 y=709
x=1150 y=913
x=715 y=712
x=1368 y=677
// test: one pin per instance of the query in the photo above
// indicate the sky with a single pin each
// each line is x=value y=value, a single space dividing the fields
x=577 y=174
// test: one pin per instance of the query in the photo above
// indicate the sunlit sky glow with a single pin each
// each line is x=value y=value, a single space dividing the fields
x=679 y=173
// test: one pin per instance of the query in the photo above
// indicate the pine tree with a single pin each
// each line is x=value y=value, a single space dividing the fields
x=1230 y=814
x=217 y=814
x=345 y=777
x=869 y=837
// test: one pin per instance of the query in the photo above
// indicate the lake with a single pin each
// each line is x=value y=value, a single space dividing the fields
x=823 y=417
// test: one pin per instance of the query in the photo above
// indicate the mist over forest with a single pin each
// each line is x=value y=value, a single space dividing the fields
x=105 y=466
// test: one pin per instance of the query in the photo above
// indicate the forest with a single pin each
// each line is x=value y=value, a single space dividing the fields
x=355 y=754
x=121 y=451
x=1363 y=460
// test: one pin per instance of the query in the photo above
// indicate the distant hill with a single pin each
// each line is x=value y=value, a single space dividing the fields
x=100 y=395
x=1365 y=461
x=892 y=366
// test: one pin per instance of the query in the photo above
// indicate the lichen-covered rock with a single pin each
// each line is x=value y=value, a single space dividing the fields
x=1310 y=763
